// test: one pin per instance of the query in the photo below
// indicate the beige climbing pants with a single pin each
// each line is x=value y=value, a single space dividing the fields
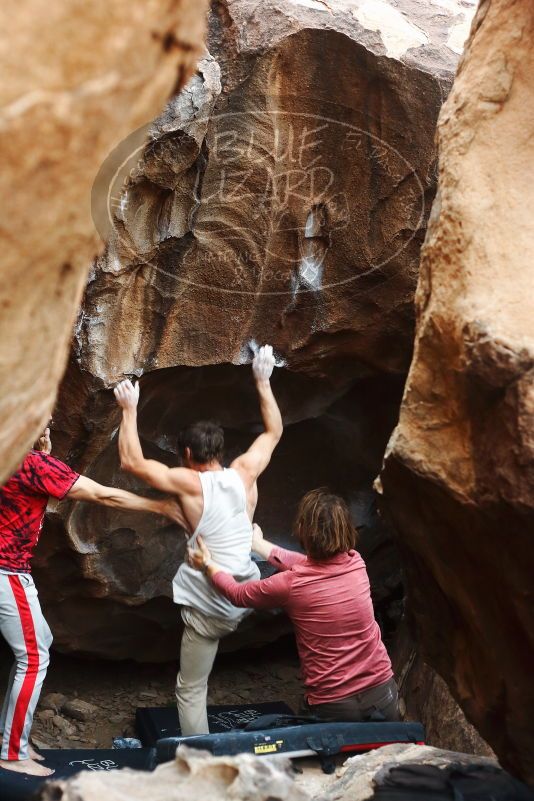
x=200 y=642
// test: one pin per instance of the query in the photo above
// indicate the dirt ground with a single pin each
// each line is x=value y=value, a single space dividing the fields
x=116 y=689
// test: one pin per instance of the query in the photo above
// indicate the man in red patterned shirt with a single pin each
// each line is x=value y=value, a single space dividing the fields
x=23 y=501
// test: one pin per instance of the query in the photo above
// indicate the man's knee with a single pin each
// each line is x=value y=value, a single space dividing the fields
x=33 y=664
x=44 y=659
x=191 y=686
x=40 y=661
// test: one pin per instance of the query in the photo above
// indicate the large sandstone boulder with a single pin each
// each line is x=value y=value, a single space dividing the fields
x=76 y=78
x=419 y=772
x=282 y=198
x=459 y=474
x=425 y=697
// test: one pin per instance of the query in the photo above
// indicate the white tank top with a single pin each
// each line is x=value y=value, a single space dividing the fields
x=227 y=531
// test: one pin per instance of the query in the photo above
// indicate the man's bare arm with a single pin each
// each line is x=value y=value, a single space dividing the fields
x=85 y=489
x=260 y=545
x=255 y=460
x=176 y=480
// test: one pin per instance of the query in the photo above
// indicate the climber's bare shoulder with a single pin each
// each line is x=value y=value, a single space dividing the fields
x=185 y=484
x=184 y=481
x=174 y=480
x=28 y=766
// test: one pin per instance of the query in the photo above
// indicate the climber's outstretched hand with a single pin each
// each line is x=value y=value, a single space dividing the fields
x=263 y=363
x=127 y=394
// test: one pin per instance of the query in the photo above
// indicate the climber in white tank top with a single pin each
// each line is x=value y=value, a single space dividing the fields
x=218 y=503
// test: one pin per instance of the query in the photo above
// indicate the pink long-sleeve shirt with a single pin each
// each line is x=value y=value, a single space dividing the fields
x=329 y=603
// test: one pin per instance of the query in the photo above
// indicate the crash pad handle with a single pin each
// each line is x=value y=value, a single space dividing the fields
x=279 y=721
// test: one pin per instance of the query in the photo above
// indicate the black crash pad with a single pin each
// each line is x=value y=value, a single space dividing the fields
x=152 y=724
x=297 y=737
x=18 y=787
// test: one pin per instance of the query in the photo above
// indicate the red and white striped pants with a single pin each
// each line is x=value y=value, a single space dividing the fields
x=23 y=626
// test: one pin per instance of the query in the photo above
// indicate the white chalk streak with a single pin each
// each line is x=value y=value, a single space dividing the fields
x=398 y=34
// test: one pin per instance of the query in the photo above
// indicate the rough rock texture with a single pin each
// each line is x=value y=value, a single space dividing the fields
x=425 y=697
x=192 y=776
x=282 y=198
x=386 y=773
x=459 y=472
x=92 y=73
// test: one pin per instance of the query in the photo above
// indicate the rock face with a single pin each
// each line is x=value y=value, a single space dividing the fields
x=282 y=198
x=458 y=479
x=427 y=698
x=409 y=772
x=92 y=73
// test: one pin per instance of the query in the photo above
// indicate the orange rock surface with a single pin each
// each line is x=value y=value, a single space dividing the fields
x=459 y=471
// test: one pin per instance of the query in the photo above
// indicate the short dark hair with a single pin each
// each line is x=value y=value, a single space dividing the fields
x=205 y=440
x=323 y=525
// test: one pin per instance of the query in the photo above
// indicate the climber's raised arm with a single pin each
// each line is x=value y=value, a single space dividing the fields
x=252 y=463
x=175 y=480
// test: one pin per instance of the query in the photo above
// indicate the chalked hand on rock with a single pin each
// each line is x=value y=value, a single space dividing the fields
x=263 y=363
x=126 y=394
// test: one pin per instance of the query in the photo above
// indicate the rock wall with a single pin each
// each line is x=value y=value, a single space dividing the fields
x=77 y=77
x=458 y=478
x=407 y=772
x=282 y=197
x=425 y=697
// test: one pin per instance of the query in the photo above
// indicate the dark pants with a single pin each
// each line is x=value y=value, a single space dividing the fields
x=377 y=703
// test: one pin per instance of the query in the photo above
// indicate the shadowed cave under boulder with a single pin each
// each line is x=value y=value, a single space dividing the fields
x=106 y=575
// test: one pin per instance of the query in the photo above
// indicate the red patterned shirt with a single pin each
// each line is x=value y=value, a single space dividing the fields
x=23 y=503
